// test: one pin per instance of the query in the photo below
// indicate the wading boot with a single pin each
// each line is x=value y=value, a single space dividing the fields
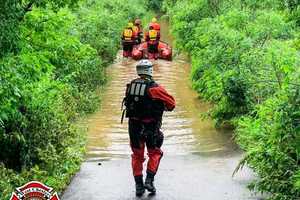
x=139 y=186
x=149 y=183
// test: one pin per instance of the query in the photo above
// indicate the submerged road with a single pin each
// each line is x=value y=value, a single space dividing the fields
x=198 y=159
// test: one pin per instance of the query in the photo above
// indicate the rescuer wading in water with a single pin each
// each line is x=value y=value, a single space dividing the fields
x=129 y=37
x=145 y=103
x=152 y=38
x=138 y=28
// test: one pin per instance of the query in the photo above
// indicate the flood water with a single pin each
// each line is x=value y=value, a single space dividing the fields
x=185 y=131
x=198 y=158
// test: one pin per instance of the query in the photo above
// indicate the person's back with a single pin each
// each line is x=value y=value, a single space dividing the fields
x=128 y=40
x=128 y=34
x=145 y=108
x=138 y=24
x=152 y=38
x=138 y=28
x=152 y=101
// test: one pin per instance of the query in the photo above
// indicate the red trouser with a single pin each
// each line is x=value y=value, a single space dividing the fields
x=142 y=133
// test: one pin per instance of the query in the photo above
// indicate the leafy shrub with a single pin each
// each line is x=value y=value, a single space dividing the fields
x=245 y=60
x=271 y=140
x=154 y=4
x=185 y=16
x=217 y=53
x=48 y=78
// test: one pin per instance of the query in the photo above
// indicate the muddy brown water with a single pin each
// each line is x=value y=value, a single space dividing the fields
x=185 y=131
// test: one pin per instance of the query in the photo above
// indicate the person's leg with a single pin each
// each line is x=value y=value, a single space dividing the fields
x=137 y=167
x=156 y=51
x=125 y=49
x=154 y=141
x=155 y=155
x=151 y=50
x=137 y=158
x=130 y=49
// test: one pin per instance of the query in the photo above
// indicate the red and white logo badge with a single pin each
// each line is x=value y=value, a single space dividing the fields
x=34 y=191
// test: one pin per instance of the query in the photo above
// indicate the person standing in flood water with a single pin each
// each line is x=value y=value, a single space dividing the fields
x=152 y=38
x=145 y=103
x=129 y=37
x=139 y=30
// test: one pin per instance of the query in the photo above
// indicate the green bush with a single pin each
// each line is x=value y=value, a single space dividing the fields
x=245 y=59
x=271 y=140
x=52 y=63
x=155 y=4
x=185 y=17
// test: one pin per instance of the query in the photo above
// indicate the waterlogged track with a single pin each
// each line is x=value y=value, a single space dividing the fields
x=198 y=159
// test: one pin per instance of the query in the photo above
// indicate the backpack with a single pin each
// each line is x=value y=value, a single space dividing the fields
x=128 y=33
x=153 y=35
x=138 y=102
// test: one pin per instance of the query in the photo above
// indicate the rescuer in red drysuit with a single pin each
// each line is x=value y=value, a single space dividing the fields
x=138 y=28
x=152 y=38
x=129 y=37
x=145 y=103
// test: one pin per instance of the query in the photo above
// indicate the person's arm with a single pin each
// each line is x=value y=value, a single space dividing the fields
x=158 y=36
x=135 y=34
x=159 y=93
x=134 y=37
x=147 y=37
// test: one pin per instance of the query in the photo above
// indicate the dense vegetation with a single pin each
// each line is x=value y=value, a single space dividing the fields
x=245 y=59
x=52 y=59
x=154 y=4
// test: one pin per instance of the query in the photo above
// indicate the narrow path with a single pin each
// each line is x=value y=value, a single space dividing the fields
x=198 y=159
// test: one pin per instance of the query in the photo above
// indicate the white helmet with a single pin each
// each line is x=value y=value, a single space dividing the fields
x=145 y=67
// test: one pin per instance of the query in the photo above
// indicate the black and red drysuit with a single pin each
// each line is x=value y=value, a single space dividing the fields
x=145 y=103
x=129 y=37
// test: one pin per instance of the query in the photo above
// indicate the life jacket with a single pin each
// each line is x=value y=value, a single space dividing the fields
x=139 y=104
x=128 y=33
x=153 y=35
